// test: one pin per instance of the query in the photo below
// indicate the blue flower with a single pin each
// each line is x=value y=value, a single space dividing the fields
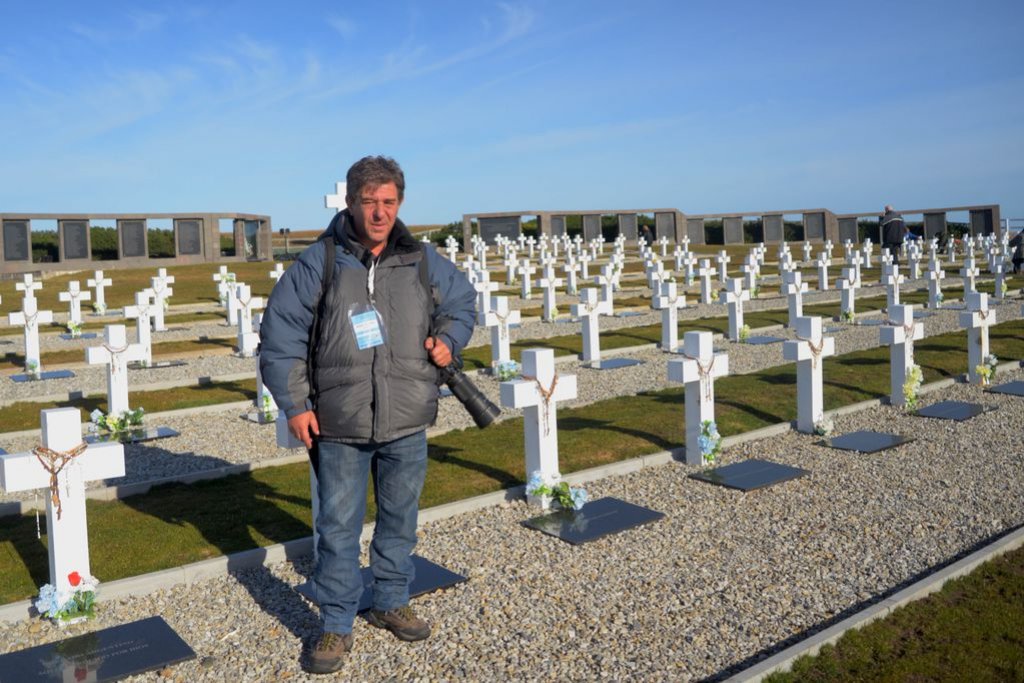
x=536 y=481
x=579 y=498
x=49 y=601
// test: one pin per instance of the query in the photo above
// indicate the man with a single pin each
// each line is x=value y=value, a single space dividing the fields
x=356 y=375
x=893 y=232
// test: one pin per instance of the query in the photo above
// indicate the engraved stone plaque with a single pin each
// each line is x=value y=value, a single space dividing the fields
x=190 y=241
x=814 y=226
x=16 y=241
x=252 y=232
x=133 y=238
x=665 y=225
x=557 y=226
x=773 y=229
x=508 y=226
x=695 y=230
x=627 y=225
x=591 y=226
x=847 y=230
x=732 y=228
x=76 y=239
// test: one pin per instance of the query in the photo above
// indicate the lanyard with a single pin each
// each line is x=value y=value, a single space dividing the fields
x=370 y=278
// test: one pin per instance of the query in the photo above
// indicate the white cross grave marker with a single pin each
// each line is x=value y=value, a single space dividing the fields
x=733 y=297
x=115 y=353
x=590 y=308
x=161 y=292
x=498 y=319
x=977 y=319
x=277 y=272
x=900 y=337
x=723 y=265
x=969 y=272
x=669 y=302
x=31 y=318
x=892 y=287
x=29 y=286
x=484 y=287
x=336 y=201
x=69 y=463
x=247 y=339
x=808 y=350
x=99 y=285
x=74 y=297
x=698 y=372
x=265 y=402
x=526 y=270
x=795 y=290
x=823 y=264
x=705 y=281
x=934 y=275
x=848 y=284
x=141 y=311
x=538 y=394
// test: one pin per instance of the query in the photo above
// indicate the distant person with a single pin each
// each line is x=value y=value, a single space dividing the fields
x=894 y=231
x=646 y=236
x=1017 y=244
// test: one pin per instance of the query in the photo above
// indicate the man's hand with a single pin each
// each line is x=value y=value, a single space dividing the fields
x=440 y=354
x=302 y=425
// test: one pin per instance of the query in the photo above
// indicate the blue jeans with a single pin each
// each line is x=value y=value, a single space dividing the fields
x=398 y=468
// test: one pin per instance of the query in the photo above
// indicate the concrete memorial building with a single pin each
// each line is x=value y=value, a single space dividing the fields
x=196 y=239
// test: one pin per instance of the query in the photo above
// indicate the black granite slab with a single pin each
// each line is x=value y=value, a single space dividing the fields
x=871 y=322
x=110 y=654
x=954 y=410
x=750 y=474
x=598 y=518
x=918 y=315
x=134 y=435
x=429 y=577
x=614 y=363
x=866 y=441
x=156 y=365
x=832 y=330
x=954 y=307
x=760 y=339
x=67 y=336
x=1012 y=388
x=43 y=376
x=260 y=417
x=629 y=314
x=115 y=312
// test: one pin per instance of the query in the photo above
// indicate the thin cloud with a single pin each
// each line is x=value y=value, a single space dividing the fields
x=346 y=28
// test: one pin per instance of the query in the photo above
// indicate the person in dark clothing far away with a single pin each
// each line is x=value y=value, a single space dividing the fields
x=894 y=230
x=1017 y=244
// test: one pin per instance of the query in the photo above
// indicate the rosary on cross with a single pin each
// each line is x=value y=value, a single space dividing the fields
x=53 y=462
x=545 y=394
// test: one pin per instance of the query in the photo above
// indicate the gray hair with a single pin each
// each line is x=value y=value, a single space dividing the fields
x=888 y=207
x=373 y=172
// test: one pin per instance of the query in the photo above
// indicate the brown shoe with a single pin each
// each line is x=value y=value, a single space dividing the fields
x=402 y=622
x=329 y=653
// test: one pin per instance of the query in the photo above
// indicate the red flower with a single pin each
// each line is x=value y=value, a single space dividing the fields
x=74 y=579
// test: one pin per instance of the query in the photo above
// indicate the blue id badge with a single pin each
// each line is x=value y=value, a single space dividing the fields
x=366 y=324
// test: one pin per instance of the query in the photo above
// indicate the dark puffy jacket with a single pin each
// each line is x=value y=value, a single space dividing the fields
x=370 y=395
x=893 y=228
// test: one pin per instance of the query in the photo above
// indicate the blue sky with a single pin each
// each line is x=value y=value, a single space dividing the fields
x=491 y=106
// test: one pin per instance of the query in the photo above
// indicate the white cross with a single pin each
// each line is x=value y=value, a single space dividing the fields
x=689 y=263
x=336 y=201
x=231 y=303
x=655 y=274
x=823 y=263
x=808 y=350
x=705 y=281
x=548 y=283
x=538 y=394
x=585 y=259
x=224 y=281
x=451 y=248
x=31 y=318
x=606 y=281
x=969 y=272
x=247 y=339
x=892 y=288
x=115 y=353
x=828 y=250
x=142 y=311
x=669 y=301
x=698 y=372
x=484 y=287
x=733 y=297
x=807 y=252
x=28 y=285
x=847 y=250
x=867 y=248
x=723 y=266
x=934 y=275
x=848 y=285
x=856 y=261
x=277 y=272
x=571 y=268
x=750 y=269
x=677 y=254
x=977 y=319
x=900 y=337
x=590 y=308
x=526 y=271
x=795 y=290
x=264 y=399
x=498 y=319
x=914 y=263
x=999 y=270
x=73 y=297
x=161 y=292
x=99 y=283
x=68 y=536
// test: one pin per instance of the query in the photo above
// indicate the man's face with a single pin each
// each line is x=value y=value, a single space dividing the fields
x=374 y=213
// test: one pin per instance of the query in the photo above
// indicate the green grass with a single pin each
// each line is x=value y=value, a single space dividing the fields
x=271 y=505
x=15 y=360
x=971 y=630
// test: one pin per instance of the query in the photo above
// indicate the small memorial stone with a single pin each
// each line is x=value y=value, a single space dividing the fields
x=598 y=518
x=866 y=441
x=750 y=475
x=954 y=410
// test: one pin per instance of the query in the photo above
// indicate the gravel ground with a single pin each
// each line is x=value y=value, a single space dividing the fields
x=724 y=578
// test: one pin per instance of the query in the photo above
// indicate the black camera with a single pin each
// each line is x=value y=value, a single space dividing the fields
x=476 y=403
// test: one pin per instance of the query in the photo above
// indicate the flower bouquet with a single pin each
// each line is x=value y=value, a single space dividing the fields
x=32 y=369
x=99 y=308
x=987 y=370
x=824 y=426
x=126 y=421
x=506 y=370
x=565 y=496
x=745 y=333
x=64 y=606
x=710 y=442
x=911 y=387
x=74 y=329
